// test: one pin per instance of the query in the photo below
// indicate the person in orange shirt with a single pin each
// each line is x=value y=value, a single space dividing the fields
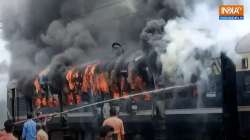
x=7 y=135
x=116 y=123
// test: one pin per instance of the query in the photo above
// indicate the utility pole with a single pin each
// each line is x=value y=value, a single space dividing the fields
x=13 y=95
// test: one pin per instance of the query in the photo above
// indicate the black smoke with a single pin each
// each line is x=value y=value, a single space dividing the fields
x=56 y=34
x=152 y=45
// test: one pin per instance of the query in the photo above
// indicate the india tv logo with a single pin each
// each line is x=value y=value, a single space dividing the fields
x=231 y=12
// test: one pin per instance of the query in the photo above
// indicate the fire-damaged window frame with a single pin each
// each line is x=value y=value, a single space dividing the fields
x=244 y=63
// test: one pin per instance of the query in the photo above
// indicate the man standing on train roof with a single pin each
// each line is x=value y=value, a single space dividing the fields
x=118 y=48
x=29 y=129
x=116 y=123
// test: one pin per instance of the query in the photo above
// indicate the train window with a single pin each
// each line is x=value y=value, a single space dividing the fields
x=215 y=67
x=211 y=90
x=244 y=63
x=247 y=84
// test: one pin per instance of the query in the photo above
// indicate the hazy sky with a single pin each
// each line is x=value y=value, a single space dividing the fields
x=4 y=59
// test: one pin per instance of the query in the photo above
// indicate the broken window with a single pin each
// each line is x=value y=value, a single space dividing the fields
x=244 y=63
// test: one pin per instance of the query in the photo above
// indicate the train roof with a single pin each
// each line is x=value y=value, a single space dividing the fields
x=243 y=45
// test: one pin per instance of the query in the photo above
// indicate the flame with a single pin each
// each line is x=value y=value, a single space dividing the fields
x=50 y=102
x=93 y=80
x=70 y=99
x=114 y=89
x=44 y=102
x=78 y=99
x=102 y=83
x=147 y=97
x=85 y=81
x=38 y=102
x=73 y=76
x=37 y=86
x=73 y=99
x=89 y=79
x=137 y=83
x=41 y=101
x=125 y=95
x=116 y=93
x=69 y=77
x=36 y=83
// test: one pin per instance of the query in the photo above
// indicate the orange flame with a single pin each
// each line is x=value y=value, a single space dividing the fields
x=44 y=102
x=138 y=84
x=116 y=93
x=78 y=99
x=92 y=75
x=38 y=102
x=37 y=86
x=69 y=77
x=70 y=99
x=72 y=77
x=89 y=79
x=102 y=83
x=50 y=102
x=85 y=81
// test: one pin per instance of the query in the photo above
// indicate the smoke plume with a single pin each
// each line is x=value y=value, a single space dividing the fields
x=187 y=44
x=61 y=33
x=200 y=29
x=49 y=34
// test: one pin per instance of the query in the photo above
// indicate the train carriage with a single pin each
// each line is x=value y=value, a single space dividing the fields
x=184 y=110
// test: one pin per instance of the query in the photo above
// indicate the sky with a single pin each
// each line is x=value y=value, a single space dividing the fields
x=4 y=59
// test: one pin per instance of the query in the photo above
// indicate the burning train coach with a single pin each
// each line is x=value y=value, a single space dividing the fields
x=98 y=80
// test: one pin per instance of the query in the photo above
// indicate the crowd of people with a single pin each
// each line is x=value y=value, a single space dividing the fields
x=111 y=129
x=31 y=130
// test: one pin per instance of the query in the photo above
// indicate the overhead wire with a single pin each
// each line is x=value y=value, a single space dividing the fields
x=111 y=100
